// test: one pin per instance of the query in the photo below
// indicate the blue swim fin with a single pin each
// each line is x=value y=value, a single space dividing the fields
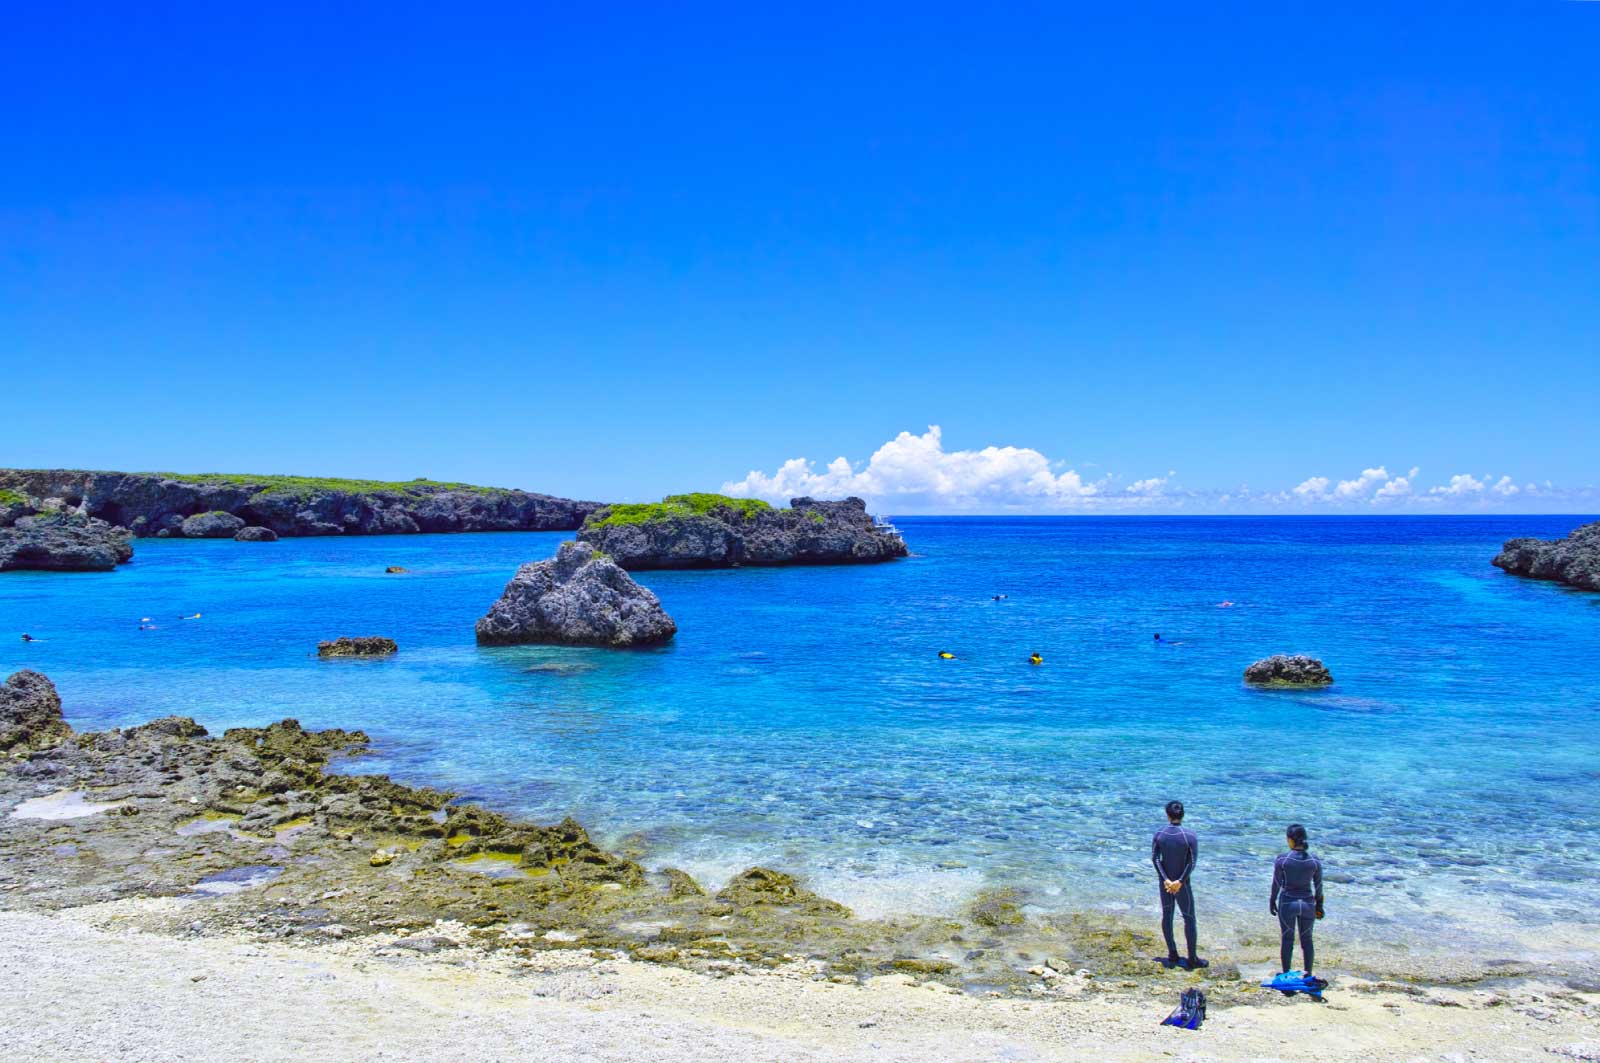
x=1190 y=1012
x=1291 y=982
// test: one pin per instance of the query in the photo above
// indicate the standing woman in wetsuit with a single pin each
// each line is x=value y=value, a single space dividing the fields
x=1296 y=896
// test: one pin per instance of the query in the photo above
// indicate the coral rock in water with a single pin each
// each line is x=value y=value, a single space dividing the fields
x=579 y=598
x=366 y=646
x=1282 y=670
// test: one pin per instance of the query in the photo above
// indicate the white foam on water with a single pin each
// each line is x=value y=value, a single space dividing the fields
x=63 y=804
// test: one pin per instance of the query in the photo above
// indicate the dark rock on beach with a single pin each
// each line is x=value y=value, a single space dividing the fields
x=152 y=503
x=1282 y=670
x=1574 y=560
x=362 y=646
x=255 y=535
x=580 y=597
x=213 y=525
x=30 y=714
x=63 y=542
x=711 y=531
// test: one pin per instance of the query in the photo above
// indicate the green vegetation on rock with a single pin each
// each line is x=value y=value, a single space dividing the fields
x=303 y=486
x=695 y=504
x=11 y=498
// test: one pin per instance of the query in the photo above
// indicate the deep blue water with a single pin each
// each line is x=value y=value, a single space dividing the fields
x=802 y=718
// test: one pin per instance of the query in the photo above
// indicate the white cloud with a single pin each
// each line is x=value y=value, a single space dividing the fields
x=1362 y=485
x=1314 y=488
x=1372 y=486
x=915 y=473
x=912 y=471
x=1399 y=487
x=1462 y=485
x=1154 y=485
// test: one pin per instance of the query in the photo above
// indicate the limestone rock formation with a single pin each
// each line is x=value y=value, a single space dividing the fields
x=580 y=597
x=213 y=525
x=30 y=714
x=758 y=886
x=361 y=646
x=150 y=503
x=63 y=542
x=1282 y=670
x=1574 y=560
x=712 y=531
x=254 y=534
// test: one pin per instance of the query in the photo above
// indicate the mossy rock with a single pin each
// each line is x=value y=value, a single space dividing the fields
x=997 y=908
x=760 y=886
x=674 y=507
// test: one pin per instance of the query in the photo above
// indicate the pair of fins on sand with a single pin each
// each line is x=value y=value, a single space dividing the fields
x=1191 y=1009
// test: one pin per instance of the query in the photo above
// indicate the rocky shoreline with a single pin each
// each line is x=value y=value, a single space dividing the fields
x=714 y=531
x=1574 y=561
x=255 y=831
x=213 y=505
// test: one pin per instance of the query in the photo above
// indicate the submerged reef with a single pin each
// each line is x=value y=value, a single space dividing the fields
x=714 y=531
x=578 y=598
x=1574 y=560
x=217 y=505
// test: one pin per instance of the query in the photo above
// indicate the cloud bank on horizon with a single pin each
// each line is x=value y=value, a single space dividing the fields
x=915 y=473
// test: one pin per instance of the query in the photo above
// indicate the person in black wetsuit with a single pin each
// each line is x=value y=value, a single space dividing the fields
x=1174 y=851
x=1296 y=896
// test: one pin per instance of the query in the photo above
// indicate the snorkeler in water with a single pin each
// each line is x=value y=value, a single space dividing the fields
x=28 y=638
x=946 y=655
x=194 y=617
x=1035 y=658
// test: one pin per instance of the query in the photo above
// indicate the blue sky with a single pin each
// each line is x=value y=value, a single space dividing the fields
x=616 y=253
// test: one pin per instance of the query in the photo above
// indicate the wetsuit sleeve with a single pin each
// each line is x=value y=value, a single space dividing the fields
x=1277 y=873
x=1194 y=855
x=1317 y=878
x=1155 y=857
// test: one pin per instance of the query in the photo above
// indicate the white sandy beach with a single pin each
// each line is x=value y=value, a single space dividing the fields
x=80 y=986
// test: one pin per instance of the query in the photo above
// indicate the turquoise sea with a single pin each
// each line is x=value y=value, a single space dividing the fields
x=1450 y=779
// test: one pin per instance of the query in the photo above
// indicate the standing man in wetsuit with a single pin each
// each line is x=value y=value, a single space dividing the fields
x=1174 y=851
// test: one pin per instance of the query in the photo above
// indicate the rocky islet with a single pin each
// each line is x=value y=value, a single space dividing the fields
x=1288 y=670
x=1574 y=560
x=580 y=597
x=62 y=542
x=358 y=646
x=715 y=531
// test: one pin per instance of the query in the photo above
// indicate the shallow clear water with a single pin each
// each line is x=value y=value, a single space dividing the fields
x=1449 y=779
